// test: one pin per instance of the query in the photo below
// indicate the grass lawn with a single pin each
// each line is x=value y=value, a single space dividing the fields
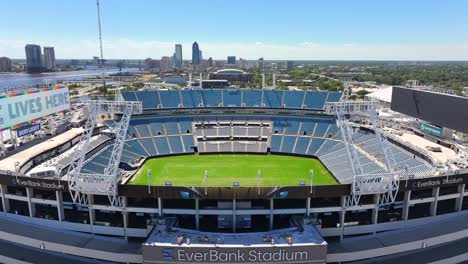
x=224 y=169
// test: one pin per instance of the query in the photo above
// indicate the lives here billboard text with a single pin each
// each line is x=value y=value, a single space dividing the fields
x=19 y=109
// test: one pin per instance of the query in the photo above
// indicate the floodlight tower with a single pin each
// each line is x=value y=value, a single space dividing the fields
x=82 y=184
x=384 y=184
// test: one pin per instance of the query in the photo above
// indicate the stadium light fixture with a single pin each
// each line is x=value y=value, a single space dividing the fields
x=206 y=182
x=149 y=176
x=259 y=174
x=311 y=179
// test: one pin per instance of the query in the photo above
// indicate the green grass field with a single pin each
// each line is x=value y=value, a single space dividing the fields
x=224 y=169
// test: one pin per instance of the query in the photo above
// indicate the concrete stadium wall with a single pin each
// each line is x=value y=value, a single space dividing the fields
x=359 y=230
x=384 y=251
x=94 y=229
x=8 y=260
x=72 y=250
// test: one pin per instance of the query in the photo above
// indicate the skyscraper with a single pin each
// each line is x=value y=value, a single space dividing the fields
x=178 y=56
x=165 y=63
x=49 y=58
x=195 y=53
x=33 y=58
x=231 y=60
x=5 y=64
x=260 y=64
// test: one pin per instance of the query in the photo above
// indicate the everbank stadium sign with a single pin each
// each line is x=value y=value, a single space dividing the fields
x=38 y=183
x=273 y=254
x=239 y=256
x=19 y=109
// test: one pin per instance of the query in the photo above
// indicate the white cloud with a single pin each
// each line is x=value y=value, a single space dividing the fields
x=139 y=49
x=310 y=44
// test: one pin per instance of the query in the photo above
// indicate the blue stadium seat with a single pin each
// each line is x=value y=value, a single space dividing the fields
x=334 y=96
x=315 y=100
x=135 y=147
x=272 y=98
x=232 y=97
x=188 y=142
x=292 y=127
x=170 y=99
x=288 y=144
x=322 y=127
x=315 y=146
x=301 y=145
x=185 y=125
x=252 y=98
x=307 y=126
x=156 y=126
x=149 y=146
x=129 y=96
x=211 y=98
x=172 y=127
x=176 y=144
x=275 y=143
x=143 y=130
x=293 y=99
x=149 y=99
x=161 y=144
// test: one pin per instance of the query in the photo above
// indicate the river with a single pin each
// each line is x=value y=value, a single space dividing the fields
x=19 y=80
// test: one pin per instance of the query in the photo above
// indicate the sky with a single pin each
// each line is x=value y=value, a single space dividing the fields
x=273 y=29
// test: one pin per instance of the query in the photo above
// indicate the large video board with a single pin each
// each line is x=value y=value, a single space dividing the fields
x=18 y=109
x=443 y=110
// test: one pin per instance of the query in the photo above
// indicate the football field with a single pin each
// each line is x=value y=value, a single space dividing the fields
x=224 y=169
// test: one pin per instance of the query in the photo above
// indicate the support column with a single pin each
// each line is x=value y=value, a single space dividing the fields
x=31 y=205
x=435 y=194
x=308 y=207
x=160 y=206
x=271 y=213
x=459 y=200
x=92 y=216
x=375 y=211
x=234 y=218
x=125 y=216
x=406 y=200
x=342 y=216
x=60 y=210
x=197 y=214
x=5 y=201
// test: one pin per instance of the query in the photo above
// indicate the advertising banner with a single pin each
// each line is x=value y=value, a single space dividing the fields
x=28 y=130
x=19 y=109
x=433 y=130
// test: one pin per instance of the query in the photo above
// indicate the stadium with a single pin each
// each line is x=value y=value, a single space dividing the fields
x=234 y=176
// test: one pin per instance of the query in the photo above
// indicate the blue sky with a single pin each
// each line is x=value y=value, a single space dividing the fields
x=274 y=29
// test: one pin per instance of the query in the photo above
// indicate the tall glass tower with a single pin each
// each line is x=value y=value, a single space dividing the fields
x=195 y=53
x=34 y=58
x=178 y=56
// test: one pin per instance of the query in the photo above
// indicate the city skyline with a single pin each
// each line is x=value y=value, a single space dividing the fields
x=301 y=30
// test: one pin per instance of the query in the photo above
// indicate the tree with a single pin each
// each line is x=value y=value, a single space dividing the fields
x=362 y=93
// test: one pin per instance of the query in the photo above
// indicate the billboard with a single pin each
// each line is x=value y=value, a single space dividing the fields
x=441 y=109
x=28 y=130
x=18 y=109
x=433 y=130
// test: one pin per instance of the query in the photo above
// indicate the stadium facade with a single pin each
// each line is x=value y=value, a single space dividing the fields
x=232 y=223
